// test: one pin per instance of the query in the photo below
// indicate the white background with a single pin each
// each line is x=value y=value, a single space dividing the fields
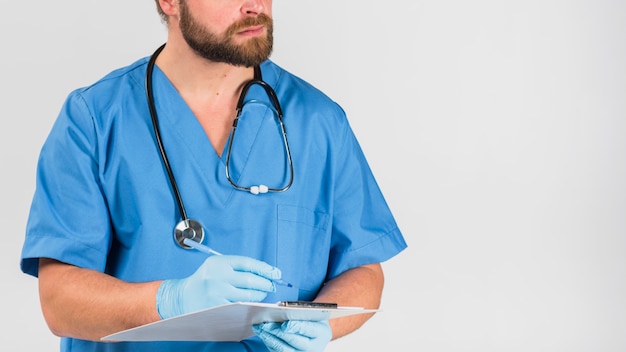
x=496 y=130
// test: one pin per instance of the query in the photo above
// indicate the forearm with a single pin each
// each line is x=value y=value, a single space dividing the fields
x=358 y=287
x=88 y=305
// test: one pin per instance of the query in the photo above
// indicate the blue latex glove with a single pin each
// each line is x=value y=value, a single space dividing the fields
x=294 y=335
x=219 y=280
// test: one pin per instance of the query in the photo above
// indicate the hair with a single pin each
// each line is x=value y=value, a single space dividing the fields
x=161 y=13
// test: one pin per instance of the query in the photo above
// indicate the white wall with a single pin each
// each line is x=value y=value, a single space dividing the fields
x=495 y=128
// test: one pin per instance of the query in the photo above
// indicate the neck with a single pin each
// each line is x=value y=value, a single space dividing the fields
x=193 y=75
x=210 y=89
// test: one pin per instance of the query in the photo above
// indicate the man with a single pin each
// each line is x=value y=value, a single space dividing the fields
x=99 y=235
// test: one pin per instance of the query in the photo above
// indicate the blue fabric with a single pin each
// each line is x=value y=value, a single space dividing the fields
x=103 y=200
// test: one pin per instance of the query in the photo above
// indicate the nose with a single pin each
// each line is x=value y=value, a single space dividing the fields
x=253 y=7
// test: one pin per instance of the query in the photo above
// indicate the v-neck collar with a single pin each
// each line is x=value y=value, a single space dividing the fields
x=189 y=149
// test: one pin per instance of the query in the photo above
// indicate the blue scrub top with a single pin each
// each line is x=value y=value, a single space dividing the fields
x=103 y=200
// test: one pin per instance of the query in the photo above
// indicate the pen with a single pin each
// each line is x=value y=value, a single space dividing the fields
x=209 y=250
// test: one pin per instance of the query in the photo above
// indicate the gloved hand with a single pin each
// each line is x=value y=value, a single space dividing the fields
x=294 y=335
x=219 y=280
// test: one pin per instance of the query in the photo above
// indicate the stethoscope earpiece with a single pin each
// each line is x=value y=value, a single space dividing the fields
x=260 y=189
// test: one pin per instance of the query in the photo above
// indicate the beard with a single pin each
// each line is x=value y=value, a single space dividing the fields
x=222 y=48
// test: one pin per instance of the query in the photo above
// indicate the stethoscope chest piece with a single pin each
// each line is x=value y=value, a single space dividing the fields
x=188 y=228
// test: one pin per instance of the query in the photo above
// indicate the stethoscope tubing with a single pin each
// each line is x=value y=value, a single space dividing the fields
x=157 y=133
x=275 y=103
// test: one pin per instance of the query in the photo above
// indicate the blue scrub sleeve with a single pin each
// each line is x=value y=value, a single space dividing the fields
x=364 y=229
x=69 y=219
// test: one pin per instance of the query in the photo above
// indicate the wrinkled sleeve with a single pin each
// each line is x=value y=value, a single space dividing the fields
x=68 y=219
x=364 y=229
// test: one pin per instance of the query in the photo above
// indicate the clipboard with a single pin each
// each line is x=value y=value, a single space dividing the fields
x=229 y=322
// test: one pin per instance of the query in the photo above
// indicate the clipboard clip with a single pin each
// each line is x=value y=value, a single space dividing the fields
x=308 y=304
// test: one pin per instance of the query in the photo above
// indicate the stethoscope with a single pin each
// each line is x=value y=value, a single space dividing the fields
x=189 y=228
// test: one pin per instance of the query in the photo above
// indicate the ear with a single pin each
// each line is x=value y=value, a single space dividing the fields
x=169 y=7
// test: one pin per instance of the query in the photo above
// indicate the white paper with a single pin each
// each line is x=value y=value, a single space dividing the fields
x=230 y=322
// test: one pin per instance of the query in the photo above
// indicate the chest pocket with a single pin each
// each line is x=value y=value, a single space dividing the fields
x=303 y=248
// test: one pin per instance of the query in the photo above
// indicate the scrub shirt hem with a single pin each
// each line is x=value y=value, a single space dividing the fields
x=62 y=249
x=386 y=247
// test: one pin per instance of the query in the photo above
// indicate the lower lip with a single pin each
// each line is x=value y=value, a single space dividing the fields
x=252 y=32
